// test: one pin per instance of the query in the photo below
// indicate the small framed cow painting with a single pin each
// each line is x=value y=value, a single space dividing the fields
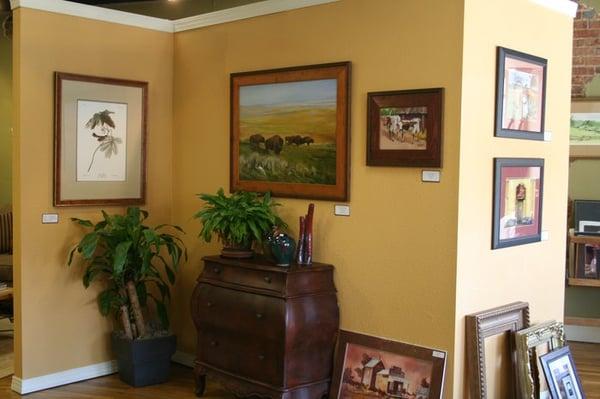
x=367 y=367
x=404 y=128
x=290 y=131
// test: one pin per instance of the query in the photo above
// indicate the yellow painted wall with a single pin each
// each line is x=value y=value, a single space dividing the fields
x=5 y=117
x=395 y=256
x=533 y=272
x=59 y=325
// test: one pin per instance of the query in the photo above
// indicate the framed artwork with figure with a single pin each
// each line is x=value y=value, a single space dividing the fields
x=518 y=192
x=520 y=95
x=100 y=140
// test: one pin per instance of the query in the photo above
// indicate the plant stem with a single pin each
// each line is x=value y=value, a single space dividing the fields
x=93 y=156
x=138 y=317
x=126 y=322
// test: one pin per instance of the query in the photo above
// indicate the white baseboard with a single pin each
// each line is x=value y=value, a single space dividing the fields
x=28 y=385
x=186 y=359
x=582 y=333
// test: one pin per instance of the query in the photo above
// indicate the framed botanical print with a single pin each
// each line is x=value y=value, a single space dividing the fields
x=584 y=137
x=518 y=193
x=290 y=131
x=405 y=128
x=520 y=95
x=100 y=141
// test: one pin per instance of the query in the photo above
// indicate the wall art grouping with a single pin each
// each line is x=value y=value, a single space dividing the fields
x=290 y=131
x=100 y=140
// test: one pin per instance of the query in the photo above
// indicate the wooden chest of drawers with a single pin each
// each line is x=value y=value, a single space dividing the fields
x=264 y=330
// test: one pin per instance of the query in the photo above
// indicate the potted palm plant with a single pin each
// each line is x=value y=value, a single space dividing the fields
x=238 y=220
x=131 y=259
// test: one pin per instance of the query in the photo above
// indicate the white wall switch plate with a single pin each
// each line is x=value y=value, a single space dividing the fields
x=49 y=218
x=432 y=176
x=547 y=136
x=545 y=236
x=341 y=210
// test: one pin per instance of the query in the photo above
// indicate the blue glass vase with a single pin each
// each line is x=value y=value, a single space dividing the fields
x=282 y=248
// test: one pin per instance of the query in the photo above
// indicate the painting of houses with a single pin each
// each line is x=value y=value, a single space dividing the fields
x=370 y=373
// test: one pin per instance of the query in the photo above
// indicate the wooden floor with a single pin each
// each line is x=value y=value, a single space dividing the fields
x=181 y=384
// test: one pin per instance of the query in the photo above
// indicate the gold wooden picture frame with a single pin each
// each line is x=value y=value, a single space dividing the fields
x=530 y=379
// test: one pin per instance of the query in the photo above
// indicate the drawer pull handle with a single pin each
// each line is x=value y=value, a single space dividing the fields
x=216 y=270
x=214 y=343
x=268 y=279
x=259 y=315
x=209 y=304
x=261 y=357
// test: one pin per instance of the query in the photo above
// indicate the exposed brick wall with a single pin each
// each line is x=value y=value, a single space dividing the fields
x=586 y=48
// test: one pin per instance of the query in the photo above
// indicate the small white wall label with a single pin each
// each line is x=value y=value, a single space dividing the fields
x=49 y=218
x=430 y=176
x=547 y=136
x=545 y=235
x=341 y=210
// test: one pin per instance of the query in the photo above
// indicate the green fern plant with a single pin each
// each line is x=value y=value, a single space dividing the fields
x=127 y=256
x=239 y=219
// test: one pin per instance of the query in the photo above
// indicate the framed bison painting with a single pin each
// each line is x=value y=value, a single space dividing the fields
x=290 y=131
x=404 y=128
x=367 y=367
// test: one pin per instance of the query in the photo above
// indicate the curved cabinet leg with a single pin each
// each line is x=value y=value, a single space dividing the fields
x=200 y=384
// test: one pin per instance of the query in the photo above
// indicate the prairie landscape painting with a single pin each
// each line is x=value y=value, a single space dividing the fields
x=289 y=131
x=585 y=128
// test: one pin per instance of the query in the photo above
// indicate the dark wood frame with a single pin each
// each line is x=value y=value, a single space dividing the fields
x=502 y=53
x=340 y=71
x=438 y=358
x=59 y=77
x=481 y=325
x=499 y=164
x=549 y=357
x=432 y=155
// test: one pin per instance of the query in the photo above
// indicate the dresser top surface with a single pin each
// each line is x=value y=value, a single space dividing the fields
x=258 y=262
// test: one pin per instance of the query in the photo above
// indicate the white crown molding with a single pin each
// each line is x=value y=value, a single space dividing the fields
x=243 y=12
x=566 y=7
x=28 y=385
x=97 y=13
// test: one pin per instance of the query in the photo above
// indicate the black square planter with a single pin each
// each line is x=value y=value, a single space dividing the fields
x=144 y=361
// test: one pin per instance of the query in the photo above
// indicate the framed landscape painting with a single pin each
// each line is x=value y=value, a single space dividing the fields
x=100 y=141
x=520 y=95
x=371 y=367
x=290 y=131
x=404 y=128
x=584 y=135
x=518 y=192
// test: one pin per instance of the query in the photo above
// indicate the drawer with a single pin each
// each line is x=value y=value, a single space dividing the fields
x=249 y=314
x=257 y=359
x=253 y=278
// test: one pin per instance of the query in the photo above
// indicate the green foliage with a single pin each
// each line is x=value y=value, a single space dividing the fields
x=238 y=219
x=120 y=248
x=314 y=164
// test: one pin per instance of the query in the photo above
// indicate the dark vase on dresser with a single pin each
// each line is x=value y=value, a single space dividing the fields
x=265 y=330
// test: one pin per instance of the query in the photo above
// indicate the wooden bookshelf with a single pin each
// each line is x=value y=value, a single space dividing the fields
x=584 y=282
